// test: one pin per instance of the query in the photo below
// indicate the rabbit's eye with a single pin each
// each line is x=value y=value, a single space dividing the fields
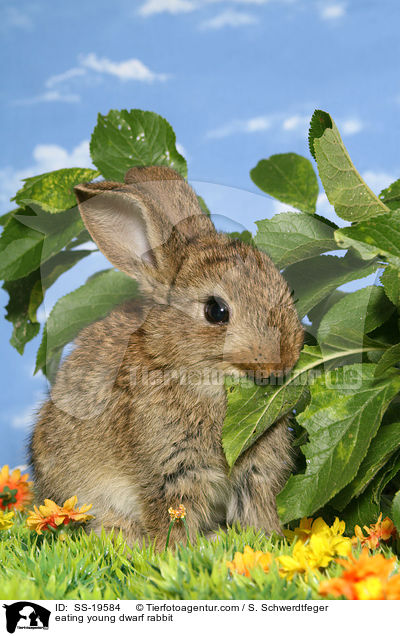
x=216 y=310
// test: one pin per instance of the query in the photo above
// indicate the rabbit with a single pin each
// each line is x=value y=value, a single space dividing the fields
x=134 y=421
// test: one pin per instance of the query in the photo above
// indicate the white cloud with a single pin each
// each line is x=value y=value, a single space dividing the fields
x=63 y=77
x=45 y=157
x=132 y=69
x=377 y=181
x=351 y=126
x=48 y=96
x=57 y=85
x=228 y=18
x=11 y=17
x=254 y=124
x=332 y=11
x=151 y=7
x=296 y=122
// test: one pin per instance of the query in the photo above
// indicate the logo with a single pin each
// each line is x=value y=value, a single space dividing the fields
x=26 y=615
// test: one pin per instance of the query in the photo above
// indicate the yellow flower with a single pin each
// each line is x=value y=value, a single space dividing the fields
x=302 y=532
x=5 y=520
x=15 y=489
x=51 y=515
x=177 y=513
x=244 y=562
x=317 y=544
x=309 y=527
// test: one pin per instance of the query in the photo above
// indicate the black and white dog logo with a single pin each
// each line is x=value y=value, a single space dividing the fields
x=26 y=615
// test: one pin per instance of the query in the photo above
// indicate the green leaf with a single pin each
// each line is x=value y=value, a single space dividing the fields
x=320 y=121
x=29 y=240
x=291 y=237
x=123 y=139
x=386 y=442
x=361 y=511
x=26 y=295
x=395 y=516
x=251 y=410
x=90 y=302
x=391 y=195
x=389 y=358
x=346 y=191
x=203 y=205
x=390 y=280
x=244 y=237
x=314 y=279
x=377 y=236
x=4 y=218
x=53 y=191
x=290 y=178
x=346 y=408
x=358 y=313
x=316 y=314
x=385 y=475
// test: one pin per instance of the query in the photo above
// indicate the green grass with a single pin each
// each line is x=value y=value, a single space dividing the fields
x=89 y=567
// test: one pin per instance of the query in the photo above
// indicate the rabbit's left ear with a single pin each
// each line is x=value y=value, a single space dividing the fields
x=141 y=226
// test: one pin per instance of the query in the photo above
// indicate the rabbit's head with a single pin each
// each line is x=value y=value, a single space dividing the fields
x=214 y=304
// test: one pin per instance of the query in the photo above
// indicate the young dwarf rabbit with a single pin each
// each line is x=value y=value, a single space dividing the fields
x=135 y=416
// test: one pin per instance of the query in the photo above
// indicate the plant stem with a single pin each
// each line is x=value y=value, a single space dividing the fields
x=169 y=533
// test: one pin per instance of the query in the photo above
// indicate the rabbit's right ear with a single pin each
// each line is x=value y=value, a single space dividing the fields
x=127 y=229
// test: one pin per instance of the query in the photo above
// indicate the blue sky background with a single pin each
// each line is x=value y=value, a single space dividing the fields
x=237 y=79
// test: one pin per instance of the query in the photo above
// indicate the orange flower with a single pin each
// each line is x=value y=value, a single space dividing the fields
x=393 y=588
x=15 y=489
x=377 y=532
x=177 y=513
x=365 y=578
x=244 y=561
x=51 y=515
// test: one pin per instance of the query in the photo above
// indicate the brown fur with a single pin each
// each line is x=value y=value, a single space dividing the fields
x=135 y=416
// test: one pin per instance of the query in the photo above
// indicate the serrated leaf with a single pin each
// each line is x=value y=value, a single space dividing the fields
x=391 y=195
x=31 y=239
x=346 y=323
x=352 y=199
x=386 y=442
x=395 y=515
x=90 y=302
x=53 y=191
x=389 y=359
x=123 y=139
x=290 y=178
x=314 y=279
x=390 y=280
x=320 y=121
x=377 y=236
x=346 y=408
x=26 y=295
x=252 y=409
x=291 y=237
